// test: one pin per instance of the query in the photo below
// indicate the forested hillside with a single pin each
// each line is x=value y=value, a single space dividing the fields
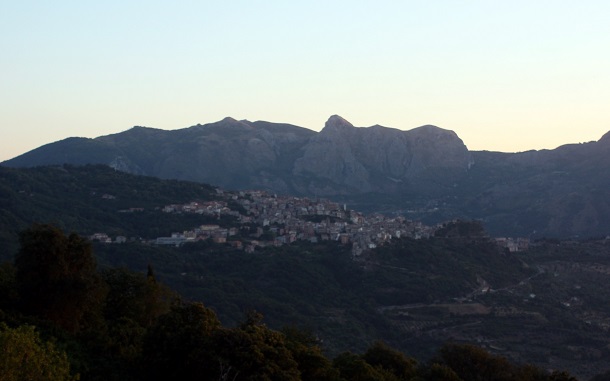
x=62 y=319
x=90 y=198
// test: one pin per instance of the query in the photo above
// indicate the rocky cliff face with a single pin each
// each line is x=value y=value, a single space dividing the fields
x=229 y=153
x=347 y=159
x=340 y=159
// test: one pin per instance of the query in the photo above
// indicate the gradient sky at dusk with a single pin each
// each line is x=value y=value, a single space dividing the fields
x=504 y=75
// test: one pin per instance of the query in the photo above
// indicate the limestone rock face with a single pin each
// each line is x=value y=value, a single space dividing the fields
x=433 y=147
x=330 y=156
x=234 y=154
x=229 y=153
x=360 y=160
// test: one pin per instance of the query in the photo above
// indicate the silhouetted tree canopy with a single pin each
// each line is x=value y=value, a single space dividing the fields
x=121 y=325
x=180 y=346
x=56 y=276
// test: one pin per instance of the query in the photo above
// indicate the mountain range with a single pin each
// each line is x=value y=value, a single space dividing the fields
x=426 y=173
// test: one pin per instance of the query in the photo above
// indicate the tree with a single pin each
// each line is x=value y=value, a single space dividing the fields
x=439 y=372
x=133 y=303
x=381 y=355
x=56 y=277
x=472 y=363
x=312 y=363
x=135 y=296
x=256 y=352
x=24 y=356
x=180 y=346
x=353 y=367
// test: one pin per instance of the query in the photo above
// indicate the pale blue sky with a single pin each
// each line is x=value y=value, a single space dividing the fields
x=504 y=75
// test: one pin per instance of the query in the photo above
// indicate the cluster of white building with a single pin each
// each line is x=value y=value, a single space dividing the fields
x=282 y=220
x=264 y=219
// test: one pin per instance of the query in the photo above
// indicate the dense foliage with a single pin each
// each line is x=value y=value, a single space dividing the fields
x=26 y=357
x=142 y=331
x=321 y=286
x=89 y=199
x=56 y=277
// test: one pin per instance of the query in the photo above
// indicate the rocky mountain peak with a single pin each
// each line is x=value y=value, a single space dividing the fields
x=337 y=121
x=433 y=132
x=229 y=122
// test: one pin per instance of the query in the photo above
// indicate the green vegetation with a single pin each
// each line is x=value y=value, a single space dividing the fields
x=412 y=294
x=24 y=356
x=141 y=331
x=90 y=199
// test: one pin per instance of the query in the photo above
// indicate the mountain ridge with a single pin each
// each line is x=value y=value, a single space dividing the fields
x=427 y=172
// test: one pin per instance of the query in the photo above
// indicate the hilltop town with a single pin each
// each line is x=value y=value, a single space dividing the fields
x=262 y=219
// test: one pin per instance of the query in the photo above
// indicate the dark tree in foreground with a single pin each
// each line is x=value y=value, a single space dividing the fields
x=312 y=363
x=180 y=346
x=56 y=277
x=354 y=368
x=382 y=356
x=135 y=296
x=256 y=352
x=141 y=331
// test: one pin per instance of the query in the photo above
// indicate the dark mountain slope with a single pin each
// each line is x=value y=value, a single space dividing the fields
x=90 y=199
x=76 y=151
x=426 y=173
x=231 y=153
x=561 y=192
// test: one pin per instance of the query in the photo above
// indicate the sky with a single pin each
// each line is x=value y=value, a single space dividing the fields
x=506 y=76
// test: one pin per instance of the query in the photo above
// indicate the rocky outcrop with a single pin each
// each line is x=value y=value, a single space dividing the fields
x=340 y=159
x=230 y=153
x=347 y=159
